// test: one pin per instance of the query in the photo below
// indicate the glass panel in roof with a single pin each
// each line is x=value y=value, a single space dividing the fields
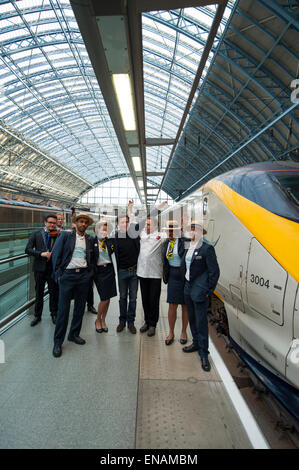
x=57 y=97
x=173 y=42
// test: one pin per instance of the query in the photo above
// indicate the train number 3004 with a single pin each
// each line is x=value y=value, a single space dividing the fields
x=259 y=281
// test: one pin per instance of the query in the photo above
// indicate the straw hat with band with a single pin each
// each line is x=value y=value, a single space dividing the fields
x=198 y=224
x=83 y=215
x=171 y=225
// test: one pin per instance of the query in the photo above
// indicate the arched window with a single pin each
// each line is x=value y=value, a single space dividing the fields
x=117 y=192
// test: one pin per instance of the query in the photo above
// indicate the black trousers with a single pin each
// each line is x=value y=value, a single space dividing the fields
x=150 y=294
x=90 y=298
x=71 y=285
x=41 y=278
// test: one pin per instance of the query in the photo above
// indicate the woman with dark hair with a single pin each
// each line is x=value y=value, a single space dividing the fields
x=104 y=275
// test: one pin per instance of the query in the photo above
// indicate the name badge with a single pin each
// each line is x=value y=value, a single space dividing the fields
x=198 y=257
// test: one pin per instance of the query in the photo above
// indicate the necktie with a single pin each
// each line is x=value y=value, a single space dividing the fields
x=170 y=250
x=48 y=240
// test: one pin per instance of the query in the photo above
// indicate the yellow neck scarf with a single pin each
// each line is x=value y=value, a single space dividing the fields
x=170 y=250
x=103 y=245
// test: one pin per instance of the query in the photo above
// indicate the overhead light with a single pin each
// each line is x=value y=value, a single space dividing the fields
x=137 y=163
x=123 y=89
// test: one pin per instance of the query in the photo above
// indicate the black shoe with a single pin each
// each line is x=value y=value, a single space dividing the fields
x=190 y=349
x=144 y=328
x=120 y=327
x=57 y=350
x=54 y=318
x=183 y=341
x=132 y=329
x=98 y=330
x=151 y=331
x=92 y=310
x=168 y=342
x=76 y=339
x=35 y=321
x=205 y=364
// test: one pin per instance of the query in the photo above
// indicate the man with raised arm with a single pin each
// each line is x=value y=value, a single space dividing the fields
x=126 y=246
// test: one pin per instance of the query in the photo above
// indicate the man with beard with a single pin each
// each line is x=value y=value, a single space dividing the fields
x=40 y=246
x=72 y=265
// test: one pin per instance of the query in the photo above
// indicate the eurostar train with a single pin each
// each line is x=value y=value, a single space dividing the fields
x=251 y=215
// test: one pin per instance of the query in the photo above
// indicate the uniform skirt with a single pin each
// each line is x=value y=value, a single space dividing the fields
x=175 y=287
x=104 y=279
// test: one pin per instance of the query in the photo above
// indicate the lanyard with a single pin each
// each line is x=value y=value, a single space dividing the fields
x=170 y=250
x=103 y=245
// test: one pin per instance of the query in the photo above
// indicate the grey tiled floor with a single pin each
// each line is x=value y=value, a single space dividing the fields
x=85 y=399
x=119 y=391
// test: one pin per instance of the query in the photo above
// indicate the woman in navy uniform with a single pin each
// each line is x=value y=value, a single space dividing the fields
x=104 y=275
x=172 y=254
x=200 y=272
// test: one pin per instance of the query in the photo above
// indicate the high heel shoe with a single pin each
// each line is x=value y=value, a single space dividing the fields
x=105 y=330
x=183 y=341
x=168 y=342
x=98 y=330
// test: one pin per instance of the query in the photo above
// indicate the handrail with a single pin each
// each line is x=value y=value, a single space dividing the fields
x=9 y=260
x=18 y=312
x=11 y=229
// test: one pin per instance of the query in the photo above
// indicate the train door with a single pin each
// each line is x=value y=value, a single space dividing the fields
x=262 y=322
x=292 y=370
x=266 y=283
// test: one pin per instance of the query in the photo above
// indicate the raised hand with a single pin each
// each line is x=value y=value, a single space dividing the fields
x=163 y=204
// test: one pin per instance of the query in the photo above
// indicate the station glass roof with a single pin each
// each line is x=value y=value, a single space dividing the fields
x=50 y=100
x=49 y=93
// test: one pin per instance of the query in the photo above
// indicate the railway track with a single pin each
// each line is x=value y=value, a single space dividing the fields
x=279 y=428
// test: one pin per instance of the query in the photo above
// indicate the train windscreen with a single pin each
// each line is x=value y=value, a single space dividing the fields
x=290 y=185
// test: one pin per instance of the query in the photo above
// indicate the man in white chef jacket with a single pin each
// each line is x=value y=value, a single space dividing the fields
x=149 y=272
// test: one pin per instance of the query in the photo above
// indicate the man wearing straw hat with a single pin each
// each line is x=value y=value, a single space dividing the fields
x=72 y=260
x=200 y=272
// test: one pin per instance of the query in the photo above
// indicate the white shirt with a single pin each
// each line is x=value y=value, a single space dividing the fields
x=149 y=263
x=189 y=255
x=79 y=255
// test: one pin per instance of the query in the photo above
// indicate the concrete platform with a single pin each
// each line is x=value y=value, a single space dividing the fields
x=119 y=391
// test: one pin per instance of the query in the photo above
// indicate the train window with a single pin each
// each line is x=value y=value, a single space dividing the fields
x=205 y=206
x=290 y=185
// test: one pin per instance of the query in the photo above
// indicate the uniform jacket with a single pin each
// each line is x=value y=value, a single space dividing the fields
x=204 y=272
x=110 y=249
x=181 y=251
x=35 y=246
x=63 y=252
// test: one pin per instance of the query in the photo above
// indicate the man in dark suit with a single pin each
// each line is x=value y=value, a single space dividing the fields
x=40 y=246
x=200 y=271
x=72 y=261
x=126 y=246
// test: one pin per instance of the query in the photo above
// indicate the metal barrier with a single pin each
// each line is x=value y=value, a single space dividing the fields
x=11 y=276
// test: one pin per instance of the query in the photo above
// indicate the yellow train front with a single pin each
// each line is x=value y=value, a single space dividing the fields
x=252 y=218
